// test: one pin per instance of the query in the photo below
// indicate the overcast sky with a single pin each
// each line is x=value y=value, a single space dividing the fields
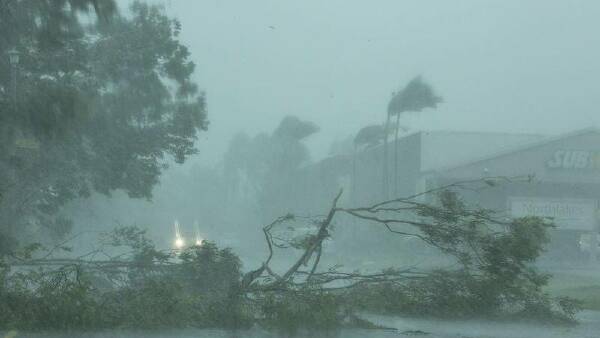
x=522 y=66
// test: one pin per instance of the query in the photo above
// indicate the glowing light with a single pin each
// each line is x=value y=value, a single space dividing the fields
x=179 y=242
x=199 y=239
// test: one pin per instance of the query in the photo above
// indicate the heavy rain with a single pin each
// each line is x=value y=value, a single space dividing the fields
x=230 y=168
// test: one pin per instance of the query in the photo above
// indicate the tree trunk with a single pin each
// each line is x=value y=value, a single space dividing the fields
x=396 y=156
x=385 y=175
x=353 y=187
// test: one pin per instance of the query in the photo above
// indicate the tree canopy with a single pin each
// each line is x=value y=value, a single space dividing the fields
x=101 y=105
x=268 y=163
x=415 y=96
x=370 y=136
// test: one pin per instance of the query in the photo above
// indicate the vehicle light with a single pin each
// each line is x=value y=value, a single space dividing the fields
x=179 y=242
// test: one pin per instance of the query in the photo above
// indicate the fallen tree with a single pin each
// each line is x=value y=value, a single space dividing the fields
x=491 y=274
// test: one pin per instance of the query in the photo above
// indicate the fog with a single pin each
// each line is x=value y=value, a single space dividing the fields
x=510 y=67
x=337 y=63
x=311 y=168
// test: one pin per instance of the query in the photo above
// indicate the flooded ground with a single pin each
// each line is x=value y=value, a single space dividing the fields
x=589 y=327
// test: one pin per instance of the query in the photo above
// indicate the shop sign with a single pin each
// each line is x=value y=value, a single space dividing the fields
x=574 y=159
x=567 y=214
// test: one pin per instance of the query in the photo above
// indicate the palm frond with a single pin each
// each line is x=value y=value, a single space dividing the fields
x=416 y=96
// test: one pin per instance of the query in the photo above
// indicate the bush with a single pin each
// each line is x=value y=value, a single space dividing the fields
x=152 y=290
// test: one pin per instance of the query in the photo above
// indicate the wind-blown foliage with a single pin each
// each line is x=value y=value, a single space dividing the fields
x=100 y=106
x=141 y=287
x=369 y=136
x=491 y=275
x=294 y=128
x=414 y=97
x=268 y=163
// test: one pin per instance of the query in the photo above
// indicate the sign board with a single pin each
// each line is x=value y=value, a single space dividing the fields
x=567 y=214
x=574 y=159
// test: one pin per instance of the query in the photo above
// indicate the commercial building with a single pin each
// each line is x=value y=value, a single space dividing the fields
x=564 y=172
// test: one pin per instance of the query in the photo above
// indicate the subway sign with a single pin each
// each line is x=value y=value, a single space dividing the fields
x=574 y=159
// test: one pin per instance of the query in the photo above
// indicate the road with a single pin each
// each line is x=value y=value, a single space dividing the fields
x=589 y=327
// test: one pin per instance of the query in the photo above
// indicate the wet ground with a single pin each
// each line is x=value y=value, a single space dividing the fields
x=589 y=327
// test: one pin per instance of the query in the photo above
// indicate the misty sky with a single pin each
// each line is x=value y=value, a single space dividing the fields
x=525 y=66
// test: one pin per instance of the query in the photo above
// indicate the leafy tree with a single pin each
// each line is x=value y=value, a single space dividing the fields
x=102 y=106
x=212 y=271
x=293 y=128
x=270 y=163
x=367 y=137
x=246 y=165
x=288 y=151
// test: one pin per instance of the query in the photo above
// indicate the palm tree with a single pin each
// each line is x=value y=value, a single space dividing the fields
x=386 y=131
x=416 y=96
